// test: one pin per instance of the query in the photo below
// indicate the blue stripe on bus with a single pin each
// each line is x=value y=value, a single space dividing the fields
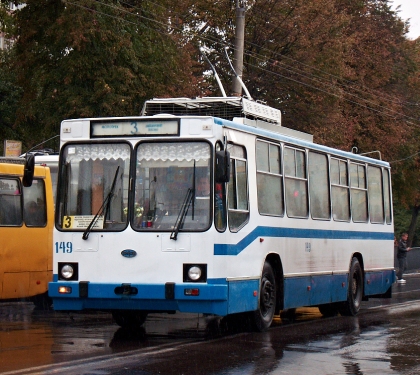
x=235 y=249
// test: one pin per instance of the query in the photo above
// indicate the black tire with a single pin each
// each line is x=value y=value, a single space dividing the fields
x=355 y=290
x=328 y=310
x=129 y=319
x=263 y=317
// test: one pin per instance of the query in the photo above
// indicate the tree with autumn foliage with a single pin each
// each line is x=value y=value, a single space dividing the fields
x=342 y=70
x=335 y=68
x=406 y=166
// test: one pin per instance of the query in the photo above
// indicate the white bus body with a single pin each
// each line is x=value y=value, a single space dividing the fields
x=297 y=224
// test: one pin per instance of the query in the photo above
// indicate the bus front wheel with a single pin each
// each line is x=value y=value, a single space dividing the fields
x=355 y=290
x=263 y=317
x=129 y=319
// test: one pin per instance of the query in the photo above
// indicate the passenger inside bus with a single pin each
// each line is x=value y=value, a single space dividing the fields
x=203 y=187
x=35 y=214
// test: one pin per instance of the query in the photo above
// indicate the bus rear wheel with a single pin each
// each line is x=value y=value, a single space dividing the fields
x=355 y=290
x=263 y=317
x=129 y=319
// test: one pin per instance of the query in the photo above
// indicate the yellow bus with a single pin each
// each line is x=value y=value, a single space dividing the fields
x=26 y=223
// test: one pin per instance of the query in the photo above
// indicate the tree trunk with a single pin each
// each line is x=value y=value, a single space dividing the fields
x=412 y=228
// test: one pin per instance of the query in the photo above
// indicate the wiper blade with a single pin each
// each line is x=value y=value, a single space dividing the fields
x=105 y=204
x=193 y=193
x=189 y=198
x=182 y=213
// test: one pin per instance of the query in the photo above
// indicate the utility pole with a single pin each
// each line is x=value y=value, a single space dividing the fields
x=238 y=55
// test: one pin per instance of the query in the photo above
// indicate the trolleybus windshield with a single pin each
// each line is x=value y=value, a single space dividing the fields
x=166 y=174
x=163 y=174
x=88 y=173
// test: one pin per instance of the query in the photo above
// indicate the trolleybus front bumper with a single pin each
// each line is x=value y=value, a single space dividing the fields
x=218 y=297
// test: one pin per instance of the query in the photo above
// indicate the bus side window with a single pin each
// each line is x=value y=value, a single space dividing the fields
x=375 y=193
x=238 y=189
x=10 y=202
x=269 y=179
x=296 y=183
x=35 y=213
x=340 y=190
x=387 y=197
x=358 y=190
x=319 y=186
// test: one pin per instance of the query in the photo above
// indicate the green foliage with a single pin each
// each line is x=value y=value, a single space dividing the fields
x=6 y=19
x=402 y=222
x=10 y=94
x=402 y=217
x=91 y=58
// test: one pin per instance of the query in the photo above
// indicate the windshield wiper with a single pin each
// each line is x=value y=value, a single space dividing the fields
x=189 y=197
x=193 y=193
x=106 y=203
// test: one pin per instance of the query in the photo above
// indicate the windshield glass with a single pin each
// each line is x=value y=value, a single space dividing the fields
x=172 y=186
x=94 y=181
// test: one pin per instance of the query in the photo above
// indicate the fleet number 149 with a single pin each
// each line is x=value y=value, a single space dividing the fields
x=63 y=247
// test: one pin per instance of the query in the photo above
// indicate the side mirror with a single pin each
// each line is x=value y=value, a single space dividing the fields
x=29 y=169
x=222 y=166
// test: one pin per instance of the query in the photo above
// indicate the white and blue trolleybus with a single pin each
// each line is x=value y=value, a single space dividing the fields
x=210 y=206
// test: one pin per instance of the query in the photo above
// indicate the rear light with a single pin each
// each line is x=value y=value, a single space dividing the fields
x=192 y=292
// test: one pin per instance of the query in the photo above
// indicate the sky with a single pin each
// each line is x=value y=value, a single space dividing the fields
x=409 y=9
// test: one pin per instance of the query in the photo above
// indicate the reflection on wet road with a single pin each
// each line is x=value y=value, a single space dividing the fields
x=382 y=339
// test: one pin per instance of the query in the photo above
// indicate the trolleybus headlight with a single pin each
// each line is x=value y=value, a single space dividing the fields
x=67 y=271
x=194 y=273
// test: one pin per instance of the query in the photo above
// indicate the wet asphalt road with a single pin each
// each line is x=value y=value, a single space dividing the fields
x=382 y=339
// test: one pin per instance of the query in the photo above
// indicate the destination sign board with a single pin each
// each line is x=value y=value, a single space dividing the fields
x=134 y=127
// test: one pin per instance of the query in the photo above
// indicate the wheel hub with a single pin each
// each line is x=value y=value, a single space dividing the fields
x=267 y=295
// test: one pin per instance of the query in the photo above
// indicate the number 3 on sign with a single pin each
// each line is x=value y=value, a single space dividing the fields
x=67 y=223
x=63 y=247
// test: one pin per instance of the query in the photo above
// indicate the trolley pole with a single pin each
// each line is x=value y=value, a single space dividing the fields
x=238 y=56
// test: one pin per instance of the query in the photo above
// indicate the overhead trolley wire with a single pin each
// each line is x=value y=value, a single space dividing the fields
x=262 y=57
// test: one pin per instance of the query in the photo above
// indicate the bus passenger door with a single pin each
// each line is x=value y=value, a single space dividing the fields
x=238 y=206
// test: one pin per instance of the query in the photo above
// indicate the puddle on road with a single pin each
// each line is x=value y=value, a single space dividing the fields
x=370 y=344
